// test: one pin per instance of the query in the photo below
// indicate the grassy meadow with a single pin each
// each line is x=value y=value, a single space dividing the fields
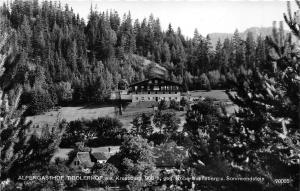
x=129 y=112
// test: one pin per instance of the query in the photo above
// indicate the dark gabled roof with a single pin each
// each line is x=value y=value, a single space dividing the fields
x=99 y=156
x=156 y=78
x=85 y=159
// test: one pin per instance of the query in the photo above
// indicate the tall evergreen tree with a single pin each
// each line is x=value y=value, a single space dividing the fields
x=265 y=135
x=250 y=49
x=22 y=151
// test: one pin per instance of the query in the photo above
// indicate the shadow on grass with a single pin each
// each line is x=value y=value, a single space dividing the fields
x=106 y=104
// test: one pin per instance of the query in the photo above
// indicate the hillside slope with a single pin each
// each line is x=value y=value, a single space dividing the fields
x=154 y=69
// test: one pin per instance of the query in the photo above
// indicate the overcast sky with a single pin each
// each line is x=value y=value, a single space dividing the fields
x=206 y=16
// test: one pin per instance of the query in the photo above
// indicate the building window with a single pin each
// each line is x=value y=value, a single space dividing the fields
x=155 y=92
x=169 y=92
x=137 y=98
x=170 y=98
x=155 y=88
x=176 y=98
x=143 y=99
x=148 y=92
x=148 y=98
x=175 y=92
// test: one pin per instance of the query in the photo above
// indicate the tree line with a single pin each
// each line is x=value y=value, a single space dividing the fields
x=63 y=59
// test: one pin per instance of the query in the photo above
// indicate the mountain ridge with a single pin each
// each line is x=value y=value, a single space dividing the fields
x=263 y=31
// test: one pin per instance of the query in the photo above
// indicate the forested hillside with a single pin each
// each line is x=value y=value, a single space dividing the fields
x=64 y=59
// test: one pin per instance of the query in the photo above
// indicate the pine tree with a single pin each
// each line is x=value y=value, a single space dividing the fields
x=238 y=50
x=217 y=64
x=22 y=151
x=261 y=51
x=250 y=49
x=264 y=137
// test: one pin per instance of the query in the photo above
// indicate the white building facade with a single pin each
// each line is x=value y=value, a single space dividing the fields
x=155 y=97
x=155 y=89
